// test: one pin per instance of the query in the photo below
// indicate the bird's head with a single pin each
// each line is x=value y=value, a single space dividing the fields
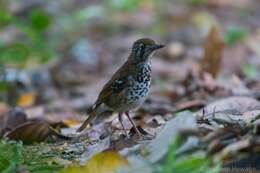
x=142 y=49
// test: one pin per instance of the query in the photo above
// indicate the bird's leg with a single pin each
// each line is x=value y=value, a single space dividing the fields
x=120 y=114
x=133 y=124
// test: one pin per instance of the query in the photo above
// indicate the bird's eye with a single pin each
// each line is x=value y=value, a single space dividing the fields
x=141 y=46
x=142 y=49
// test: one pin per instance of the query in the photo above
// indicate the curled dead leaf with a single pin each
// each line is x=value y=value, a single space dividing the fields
x=193 y=104
x=33 y=132
x=30 y=132
x=213 y=49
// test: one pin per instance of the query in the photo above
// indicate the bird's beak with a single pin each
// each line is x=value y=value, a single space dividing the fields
x=157 y=46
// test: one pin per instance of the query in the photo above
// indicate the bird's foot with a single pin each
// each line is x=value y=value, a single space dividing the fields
x=140 y=134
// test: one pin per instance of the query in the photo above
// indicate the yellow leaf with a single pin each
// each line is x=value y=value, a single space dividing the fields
x=71 y=122
x=26 y=100
x=104 y=162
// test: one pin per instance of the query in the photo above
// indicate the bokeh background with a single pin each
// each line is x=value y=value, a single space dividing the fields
x=55 y=56
x=56 y=46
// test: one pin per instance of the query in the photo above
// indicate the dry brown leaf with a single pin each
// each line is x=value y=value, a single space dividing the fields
x=193 y=104
x=213 y=49
x=34 y=132
x=30 y=132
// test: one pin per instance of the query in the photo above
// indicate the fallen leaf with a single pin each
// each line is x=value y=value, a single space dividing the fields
x=104 y=162
x=71 y=122
x=193 y=104
x=30 y=132
x=213 y=50
x=159 y=146
x=26 y=100
x=237 y=104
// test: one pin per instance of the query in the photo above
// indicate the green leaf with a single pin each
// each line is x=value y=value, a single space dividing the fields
x=4 y=86
x=250 y=70
x=234 y=35
x=171 y=155
x=129 y=5
x=5 y=17
x=197 y=2
x=191 y=164
x=42 y=51
x=15 y=53
x=10 y=156
x=40 y=21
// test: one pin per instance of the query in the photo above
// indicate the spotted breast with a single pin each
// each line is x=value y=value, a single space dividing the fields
x=139 y=86
x=132 y=90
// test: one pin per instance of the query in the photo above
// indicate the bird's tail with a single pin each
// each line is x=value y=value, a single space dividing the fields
x=92 y=115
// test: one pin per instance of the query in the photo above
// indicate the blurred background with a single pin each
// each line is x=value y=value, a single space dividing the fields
x=55 y=56
x=57 y=53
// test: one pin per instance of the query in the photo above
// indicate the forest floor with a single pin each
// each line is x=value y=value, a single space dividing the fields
x=203 y=111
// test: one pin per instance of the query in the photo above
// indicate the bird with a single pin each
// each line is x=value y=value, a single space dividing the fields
x=128 y=87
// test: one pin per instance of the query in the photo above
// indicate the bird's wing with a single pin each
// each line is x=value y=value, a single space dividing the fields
x=116 y=84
